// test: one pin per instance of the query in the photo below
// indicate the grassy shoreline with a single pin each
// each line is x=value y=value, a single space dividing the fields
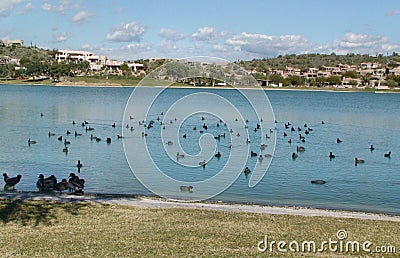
x=76 y=229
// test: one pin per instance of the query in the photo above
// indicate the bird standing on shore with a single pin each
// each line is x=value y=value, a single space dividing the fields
x=75 y=183
x=11 y=181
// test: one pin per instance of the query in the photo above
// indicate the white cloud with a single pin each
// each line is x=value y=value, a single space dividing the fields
x=393 y=12
x=61 y=7
x=81 y=17
x=26 y=8
x=207 y=34
x=127 y=32
x=62 y=37
x=46 y=6
x=171 y=35
x=267 y=46
x=7 y=5
x=359 y=44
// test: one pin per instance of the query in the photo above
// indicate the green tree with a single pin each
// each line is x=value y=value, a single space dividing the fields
x=295 y=80
x=125 y=69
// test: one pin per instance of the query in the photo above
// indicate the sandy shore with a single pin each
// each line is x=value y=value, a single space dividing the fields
x=159 y=203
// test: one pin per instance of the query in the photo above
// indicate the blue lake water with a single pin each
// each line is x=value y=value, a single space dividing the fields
x=358 y=119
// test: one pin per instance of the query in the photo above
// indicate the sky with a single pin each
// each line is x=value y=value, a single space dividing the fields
x=233 y=30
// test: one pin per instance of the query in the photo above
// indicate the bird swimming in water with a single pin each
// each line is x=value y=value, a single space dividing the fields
x=358 y=161
x=79 y=165
x=371 y=147
x=31 y=142
x=253 y=154
x=218 y=155
x=331 y=155
x=300 y=149
x=318 y=182
x=11 y=181
x=338 y=140
x=247 y=170
x=294 y=155
x=203 y=163
x=178 y=155
x=387 y=155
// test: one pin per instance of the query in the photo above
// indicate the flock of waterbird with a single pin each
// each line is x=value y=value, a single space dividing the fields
x=299 y=149
x=76 y=185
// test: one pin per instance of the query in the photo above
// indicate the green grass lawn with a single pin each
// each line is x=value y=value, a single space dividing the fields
x=54 y=229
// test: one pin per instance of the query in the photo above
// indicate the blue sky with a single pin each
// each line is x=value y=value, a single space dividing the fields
x=126 y=29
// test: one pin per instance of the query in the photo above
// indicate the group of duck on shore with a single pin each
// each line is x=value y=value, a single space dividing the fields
x=49 y=184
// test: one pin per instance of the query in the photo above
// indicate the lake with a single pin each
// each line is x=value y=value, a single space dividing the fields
x=359 y=119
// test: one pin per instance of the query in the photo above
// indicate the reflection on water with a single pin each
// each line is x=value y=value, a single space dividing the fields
x=359 y=119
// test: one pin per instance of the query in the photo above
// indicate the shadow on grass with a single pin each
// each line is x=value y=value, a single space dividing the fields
x=34 y=213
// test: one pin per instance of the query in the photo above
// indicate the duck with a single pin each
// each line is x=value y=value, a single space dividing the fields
x=113 y=125
x=51 y=134
x=290 y=141
x=338 y=140
x=77 y=134
x=267 y=155
x=318 y=182
x=357 y=161
x=50 y=182
x=75 y=183
x=65 y=150
x=260 y=158
x=253 y=154
x=40 y=183
x=62 y=186
x=178 y=155
x=203 y=163
x=98 y=139
x=371 y=147
x=60 y=138
x=185 y=188
x=294 y=155
x=31 y=142
x=387 y=155
x=246 y=170
x=218 y=155
x=300 y=149
x=11 y=181
x=66 y=142
x=169 y=143
x=184 y=136
x=79 y=164
x=119 y=136
x=108 y=140
x=68 y=132
x=284 y=134
x=331 y=155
